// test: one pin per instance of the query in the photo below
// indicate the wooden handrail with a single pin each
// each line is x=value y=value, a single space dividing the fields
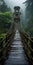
x=26 y=38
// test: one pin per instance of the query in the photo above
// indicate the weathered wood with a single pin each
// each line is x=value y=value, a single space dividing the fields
x=28 y=45
x=5 y=44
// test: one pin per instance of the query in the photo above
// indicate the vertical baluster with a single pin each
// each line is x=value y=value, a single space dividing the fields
x=1 y=46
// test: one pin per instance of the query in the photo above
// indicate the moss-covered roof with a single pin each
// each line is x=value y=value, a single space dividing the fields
x=17 y=7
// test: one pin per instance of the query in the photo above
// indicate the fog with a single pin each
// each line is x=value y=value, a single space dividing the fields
x=12 y=3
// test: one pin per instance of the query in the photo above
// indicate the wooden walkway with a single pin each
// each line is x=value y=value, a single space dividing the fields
x=17 y=54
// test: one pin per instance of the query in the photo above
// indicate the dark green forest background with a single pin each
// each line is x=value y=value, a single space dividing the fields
x=28 y=23
x=5 y=18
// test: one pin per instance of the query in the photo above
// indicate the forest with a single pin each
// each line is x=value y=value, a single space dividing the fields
x=28 y=25
x=6 y=19
x=16 y=32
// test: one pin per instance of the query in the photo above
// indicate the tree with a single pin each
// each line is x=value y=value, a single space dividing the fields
x=5 y=16
x=29 y=7
x=29 y=16
x=3 y=6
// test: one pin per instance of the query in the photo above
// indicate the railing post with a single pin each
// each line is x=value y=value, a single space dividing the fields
x=1 y=46
x=1 y=43
x=32 y=44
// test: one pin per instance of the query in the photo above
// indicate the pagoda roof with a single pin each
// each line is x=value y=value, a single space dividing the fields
x=17 y=8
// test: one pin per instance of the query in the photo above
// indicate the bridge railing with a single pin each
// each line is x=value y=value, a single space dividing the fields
x=28 y=44
x=5 y=45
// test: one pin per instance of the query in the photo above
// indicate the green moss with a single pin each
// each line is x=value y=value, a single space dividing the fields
x=2 y=35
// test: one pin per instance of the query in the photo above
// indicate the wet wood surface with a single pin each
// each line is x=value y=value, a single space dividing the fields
x=17 y=54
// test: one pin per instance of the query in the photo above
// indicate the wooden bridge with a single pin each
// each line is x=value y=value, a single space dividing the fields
x=16 y=48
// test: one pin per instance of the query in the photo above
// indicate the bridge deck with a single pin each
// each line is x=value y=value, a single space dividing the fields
x=17 y=55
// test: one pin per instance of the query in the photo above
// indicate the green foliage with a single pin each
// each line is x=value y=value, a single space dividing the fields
x=5 y=17
x=29 y=6
x=3 y=7
x=5 y=20
x=2 y=35
x=29 y=17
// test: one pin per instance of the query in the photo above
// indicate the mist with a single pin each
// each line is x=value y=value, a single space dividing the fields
x=12 y=3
